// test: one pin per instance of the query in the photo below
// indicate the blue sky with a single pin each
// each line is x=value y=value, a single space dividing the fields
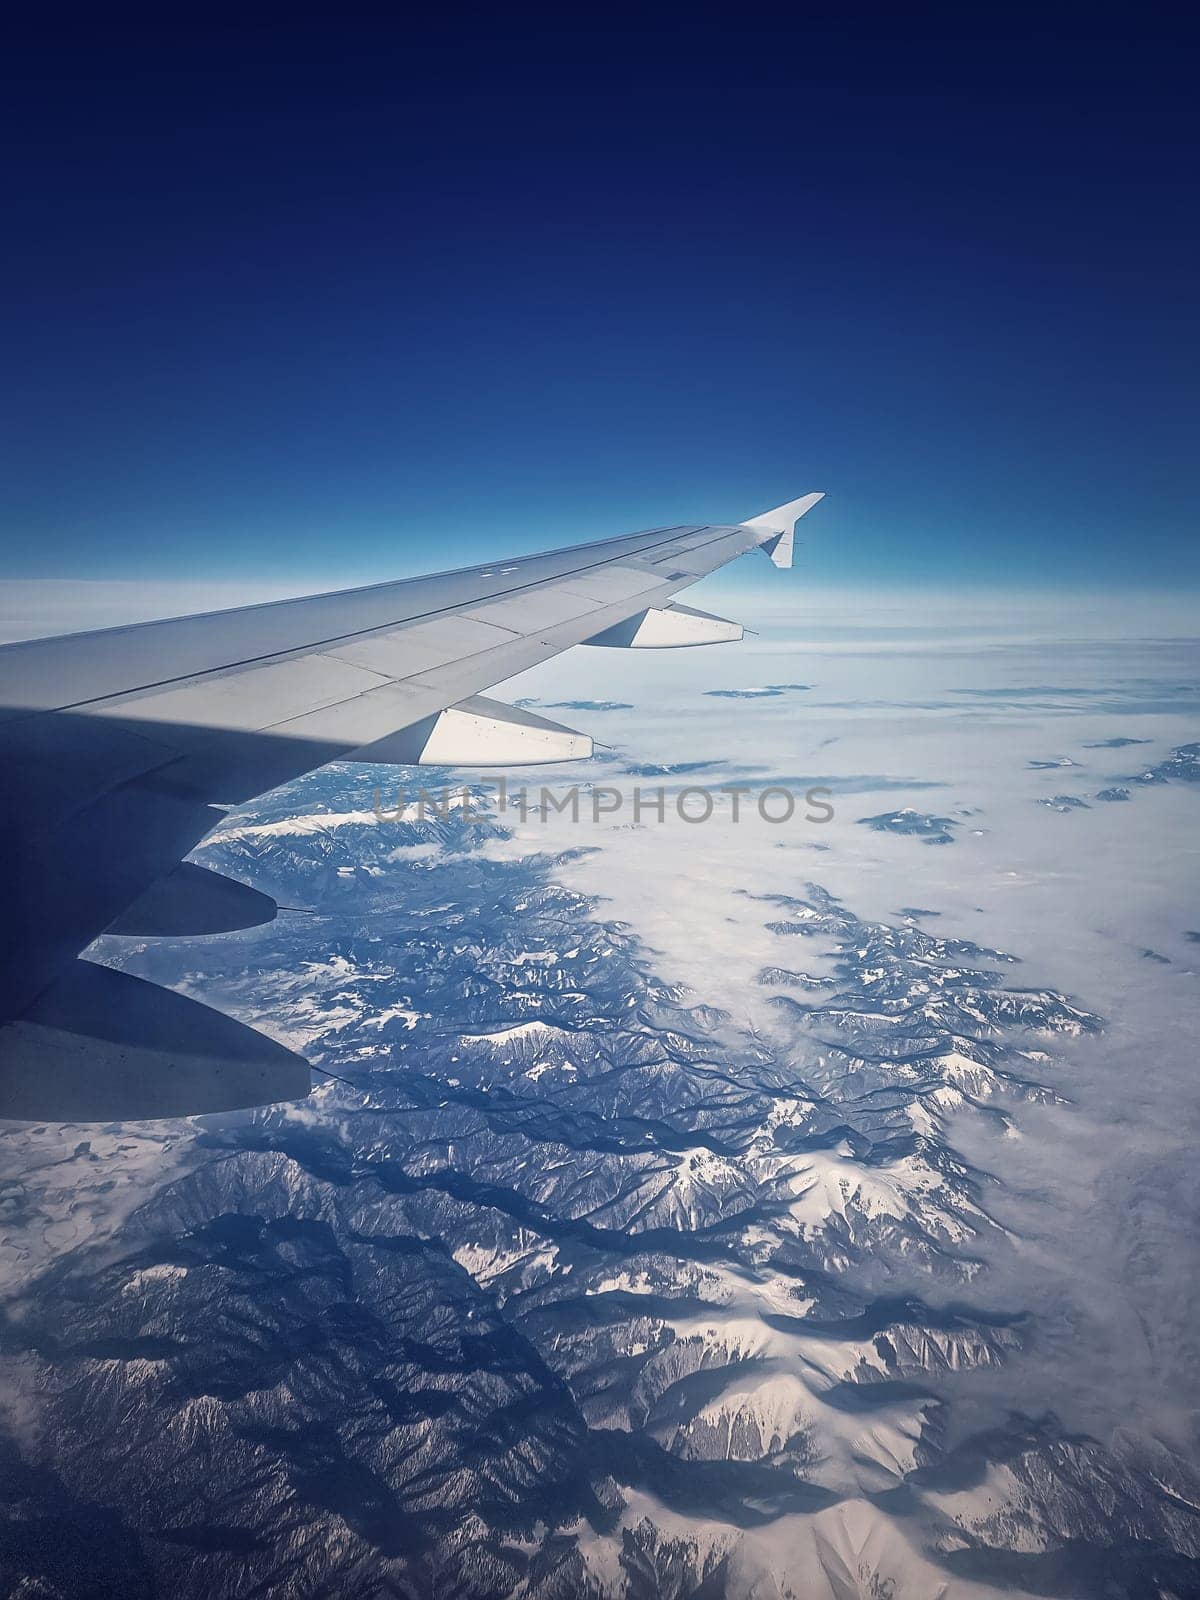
x=356 y=297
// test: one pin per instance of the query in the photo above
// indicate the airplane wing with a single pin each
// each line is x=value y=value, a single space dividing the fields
x=122 y=748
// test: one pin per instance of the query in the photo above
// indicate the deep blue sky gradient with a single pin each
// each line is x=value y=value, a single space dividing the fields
x=281 y=297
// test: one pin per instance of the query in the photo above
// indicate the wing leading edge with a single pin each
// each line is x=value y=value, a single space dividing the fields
x=122 y=747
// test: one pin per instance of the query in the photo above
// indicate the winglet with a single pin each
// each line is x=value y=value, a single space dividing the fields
x=778 y=527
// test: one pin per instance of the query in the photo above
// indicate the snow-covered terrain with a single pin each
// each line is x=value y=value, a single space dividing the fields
x=679 y=1211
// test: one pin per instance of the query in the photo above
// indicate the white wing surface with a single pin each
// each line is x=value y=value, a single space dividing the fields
x=121 y=748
